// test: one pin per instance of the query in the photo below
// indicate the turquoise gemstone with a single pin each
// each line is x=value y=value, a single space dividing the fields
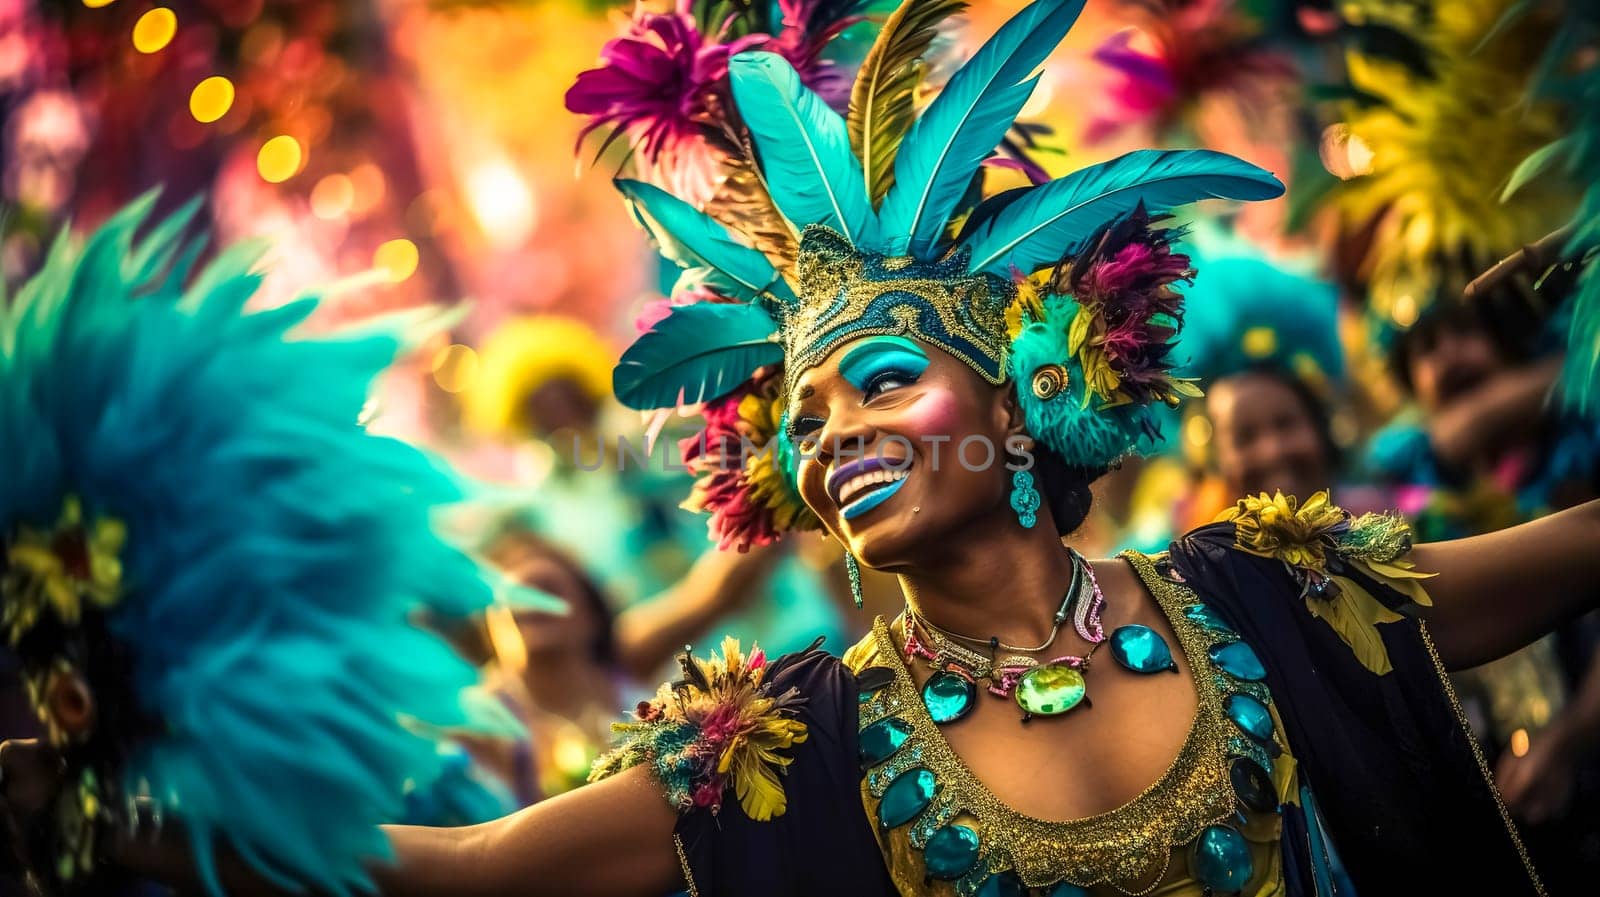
x=879 y=741
x=909 y=794
x=1050 y=689
x=1001 y=884
x=1066 y=889
x=1250 y=715
x=1205 y=616
x=1253 y=785
x=1238 y=660
x=949 y=697
x=1141 y=649
x=950 y=852
x=1220 y=859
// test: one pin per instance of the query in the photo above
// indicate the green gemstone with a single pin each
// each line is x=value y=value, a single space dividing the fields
x=1051 y=689
x=1220 y=859
x=1238 y=660
x=909 y=794
x=1250 y=715
x=1067 y=889
x=1001 y=884
x=1141 y=649
x=1205 y=616
x=949 y=697
x=950 y=852
x=879 y=741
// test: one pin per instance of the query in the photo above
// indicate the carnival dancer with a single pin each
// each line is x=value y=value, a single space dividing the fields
x=1216 y=719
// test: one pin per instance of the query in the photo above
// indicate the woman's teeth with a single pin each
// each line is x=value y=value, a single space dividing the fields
x=855 y=485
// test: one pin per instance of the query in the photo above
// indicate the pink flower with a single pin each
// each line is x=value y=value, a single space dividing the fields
x=1143 y=90
x=661 y=83
x=803 y=47
x=715 y=456
x=721 y=725
x=1199 y=47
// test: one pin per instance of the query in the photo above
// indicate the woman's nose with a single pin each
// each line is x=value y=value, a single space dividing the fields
x=847 y=433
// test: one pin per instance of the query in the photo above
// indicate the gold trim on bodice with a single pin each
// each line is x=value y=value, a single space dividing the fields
x=1129 y=848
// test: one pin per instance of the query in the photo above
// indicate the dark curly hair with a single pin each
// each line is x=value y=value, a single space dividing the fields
x=1064 y=488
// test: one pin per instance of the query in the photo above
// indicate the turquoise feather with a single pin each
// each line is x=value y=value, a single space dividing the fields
x=813 y=175
x=964 y=124
x=693 y=240
x=695 y=354
x=1055 y=218
x=276 y=550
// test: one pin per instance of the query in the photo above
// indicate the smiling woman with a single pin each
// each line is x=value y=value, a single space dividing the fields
x=1259 y=710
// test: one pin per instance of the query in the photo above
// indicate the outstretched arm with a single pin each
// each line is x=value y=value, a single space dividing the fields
x=650 y=633
x=1500 y=591
x=609 y=839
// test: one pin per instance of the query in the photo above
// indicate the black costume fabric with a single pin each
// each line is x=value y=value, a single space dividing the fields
x=1394 y=769
x=1395 y=775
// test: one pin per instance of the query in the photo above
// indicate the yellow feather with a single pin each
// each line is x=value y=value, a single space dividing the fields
x=883 y=101
x=1354 y=615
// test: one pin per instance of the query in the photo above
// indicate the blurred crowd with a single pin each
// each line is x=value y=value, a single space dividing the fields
x=1362 y=335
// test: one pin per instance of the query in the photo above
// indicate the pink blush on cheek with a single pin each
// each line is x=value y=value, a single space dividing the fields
x=936 y=412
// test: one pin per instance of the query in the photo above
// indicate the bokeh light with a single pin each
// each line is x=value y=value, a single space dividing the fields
x=97 y=4
x=332 y=196
x=1259 y=342
x=1405 y=310
x=398 y=260
x=370 y=187
x=154 y=30
x=455 y=368
x=211 y=99
x=502 y=202
x=279 y=159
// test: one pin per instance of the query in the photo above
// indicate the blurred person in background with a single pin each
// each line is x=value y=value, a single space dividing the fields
x=608 y=491
x=566 y=677
x=1488 y=444
x=1261 y=335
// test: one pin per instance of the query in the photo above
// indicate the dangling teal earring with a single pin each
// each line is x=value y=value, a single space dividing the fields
x=854 y=570
x=1024 y=498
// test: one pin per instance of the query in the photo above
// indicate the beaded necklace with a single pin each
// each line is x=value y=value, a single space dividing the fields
x=945 y=833
x=1048 y=688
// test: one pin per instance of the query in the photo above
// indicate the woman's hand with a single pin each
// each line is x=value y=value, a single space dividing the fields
x=720 y=582
x=1537 y=786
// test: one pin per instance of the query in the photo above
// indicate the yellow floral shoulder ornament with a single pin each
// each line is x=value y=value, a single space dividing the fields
x=1330 y=553
x=720 y=727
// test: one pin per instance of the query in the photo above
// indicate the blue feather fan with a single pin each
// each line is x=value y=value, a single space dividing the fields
x=275 y=550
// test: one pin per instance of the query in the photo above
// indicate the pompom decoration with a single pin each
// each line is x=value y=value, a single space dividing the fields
x=717 y=729
x=744 y=468
x=1112 y=312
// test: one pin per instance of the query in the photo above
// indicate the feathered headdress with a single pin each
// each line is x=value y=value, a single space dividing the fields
x=193 y=524
x=1252 y=309
x=891 y=235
